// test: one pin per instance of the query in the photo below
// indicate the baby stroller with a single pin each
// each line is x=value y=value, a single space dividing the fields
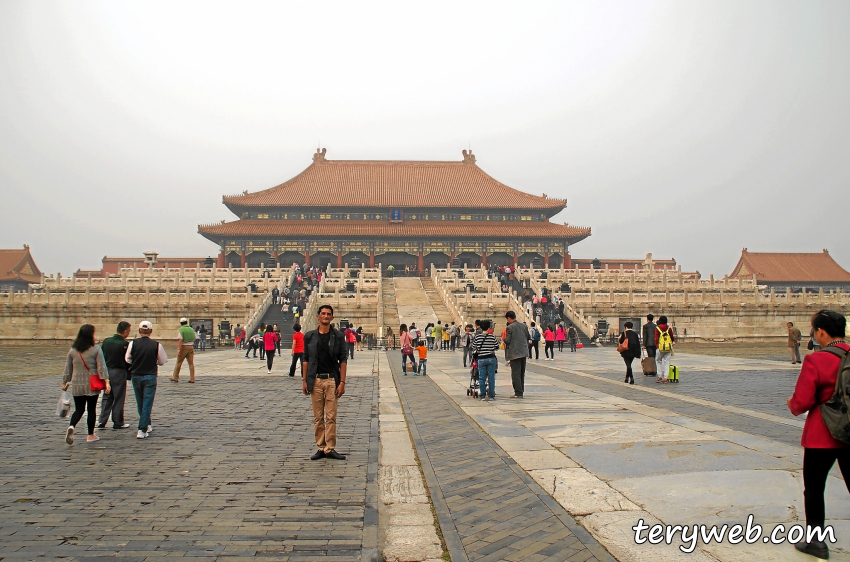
x=473 y=380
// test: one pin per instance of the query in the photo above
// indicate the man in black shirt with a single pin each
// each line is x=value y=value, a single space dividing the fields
x=114 y=349
x=323 y=371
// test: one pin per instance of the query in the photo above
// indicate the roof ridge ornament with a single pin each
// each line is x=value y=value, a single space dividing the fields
x=468 y=157
x=320 y=155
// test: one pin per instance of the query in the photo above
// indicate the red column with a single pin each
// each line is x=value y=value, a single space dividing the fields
x=307 y=256
x=451 y=259
x=484 y=258
x=221 y=262
x=568 y=261
x=274 y=255
x=243 y=259
x=546 y=260
x=371 y=258
x=420 y=264
x=339 y=260
x=515 y=259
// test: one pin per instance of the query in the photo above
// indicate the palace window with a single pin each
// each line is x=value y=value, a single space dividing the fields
x=412 y=217
x=525 y=217
x=262 y=215
x=466 y=217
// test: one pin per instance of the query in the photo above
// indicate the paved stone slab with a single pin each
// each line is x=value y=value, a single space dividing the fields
x=482 y=498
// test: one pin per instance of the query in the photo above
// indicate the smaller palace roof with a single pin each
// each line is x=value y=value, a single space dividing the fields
x=18 y=265
x=777 y=267
x=432 y=229
x=394 y=184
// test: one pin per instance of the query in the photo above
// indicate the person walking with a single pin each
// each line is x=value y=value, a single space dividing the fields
x=185 y=350
x=145 y=356
x=237 y=337
x=629 y=349
x=612 y=333
x=114 y=349
x=323 y=373
x=549 y=346
x=648 y=336
x=85 y=359
x=359 y=335
x=202 y=335
x=406 y=349
x=446 y=337
x=516 y=348
x=297 y=349
x=276 y=331
x=485 y=345
x=438 y=335
x=794 y=338
x=390 y=338
x=261 y=331
x=534 y=342
x=270 y=341
x=572 y=337
x=815 y=386
x=466 y=344
x=429 y=335
x=423 y=358
x=453 y=337
x=560 y=337
x=664 y=340
x=350 y=340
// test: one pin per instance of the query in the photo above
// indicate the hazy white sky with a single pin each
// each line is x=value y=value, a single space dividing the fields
x=685 y=129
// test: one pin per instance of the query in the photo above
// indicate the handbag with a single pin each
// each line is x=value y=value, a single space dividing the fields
x=624 y=345
x=95 y=381
x=407 y=350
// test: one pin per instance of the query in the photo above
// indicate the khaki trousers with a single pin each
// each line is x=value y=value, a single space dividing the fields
x=186 y=352
x=324 y=413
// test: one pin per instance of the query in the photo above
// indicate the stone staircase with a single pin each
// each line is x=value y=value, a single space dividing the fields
x=435 y=300
x=390 y=307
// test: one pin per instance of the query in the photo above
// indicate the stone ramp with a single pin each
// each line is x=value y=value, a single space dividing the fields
x=488 y=507
x=436 y=301
x=413 y=303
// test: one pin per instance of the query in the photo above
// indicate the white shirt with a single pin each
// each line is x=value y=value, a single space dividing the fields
x=161 y=357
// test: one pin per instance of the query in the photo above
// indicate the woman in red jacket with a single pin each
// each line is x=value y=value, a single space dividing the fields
x=270 y=339
x=815 y=386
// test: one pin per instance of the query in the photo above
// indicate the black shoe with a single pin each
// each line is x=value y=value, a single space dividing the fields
x=320 y=454
x=818 y=549
x=332 y=454
x=101 y=426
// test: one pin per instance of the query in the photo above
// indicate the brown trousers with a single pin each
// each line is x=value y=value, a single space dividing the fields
x=324 y=413
x=186 y=352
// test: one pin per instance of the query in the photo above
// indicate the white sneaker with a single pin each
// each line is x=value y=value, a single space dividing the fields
x=141 y=434
x=69 y=435
x=149 y=429
x=270 y=371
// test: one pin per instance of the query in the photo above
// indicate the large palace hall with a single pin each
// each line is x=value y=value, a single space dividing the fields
x=400 y=213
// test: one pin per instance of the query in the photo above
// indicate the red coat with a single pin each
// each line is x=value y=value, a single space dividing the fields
x=269 y=340
x=815 y=386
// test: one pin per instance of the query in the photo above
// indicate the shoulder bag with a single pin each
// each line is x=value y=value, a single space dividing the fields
x=95 y=381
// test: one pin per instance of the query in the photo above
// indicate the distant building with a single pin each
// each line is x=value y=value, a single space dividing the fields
x=112 y=266
x=18 y=269
x=399 y=213
x=793 y=270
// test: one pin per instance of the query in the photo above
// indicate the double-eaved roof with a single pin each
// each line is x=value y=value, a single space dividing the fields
x=780 y=267
x=394 y=184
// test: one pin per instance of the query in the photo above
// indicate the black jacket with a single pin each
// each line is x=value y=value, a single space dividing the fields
x=339 y=351
x=634 y=344
x=649 y=334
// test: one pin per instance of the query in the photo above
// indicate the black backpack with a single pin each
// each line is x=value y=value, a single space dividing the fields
x=836 y=411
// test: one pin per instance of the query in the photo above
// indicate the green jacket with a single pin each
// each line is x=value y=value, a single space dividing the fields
x=187 y=333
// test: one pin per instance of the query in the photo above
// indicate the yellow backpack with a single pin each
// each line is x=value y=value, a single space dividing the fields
x=665 y=342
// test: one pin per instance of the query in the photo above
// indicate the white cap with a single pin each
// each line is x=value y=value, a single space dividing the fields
x=145 y=325
x=184 y=320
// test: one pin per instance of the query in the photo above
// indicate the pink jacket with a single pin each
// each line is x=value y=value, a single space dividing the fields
x=560 y=335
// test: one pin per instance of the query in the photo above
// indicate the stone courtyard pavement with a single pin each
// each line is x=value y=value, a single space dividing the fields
x=225 y=474
x=561 y=475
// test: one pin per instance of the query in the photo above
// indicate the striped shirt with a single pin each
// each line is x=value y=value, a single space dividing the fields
x=485 y=345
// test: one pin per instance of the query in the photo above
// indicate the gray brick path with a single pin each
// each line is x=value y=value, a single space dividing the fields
x=225 y=475
x=488 y=508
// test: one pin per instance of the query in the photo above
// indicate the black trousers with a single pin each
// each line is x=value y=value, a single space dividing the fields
x=295 y=358
x=560 y=345
x=81 y=403
x=269 y=358
x=535 y=345
x=816 y=466
x=629 y=375
x=550 y=347
x=650 y=351
x=113 y=403
x=518 y=375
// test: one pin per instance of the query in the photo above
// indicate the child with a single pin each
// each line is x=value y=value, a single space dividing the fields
x=423 y=358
